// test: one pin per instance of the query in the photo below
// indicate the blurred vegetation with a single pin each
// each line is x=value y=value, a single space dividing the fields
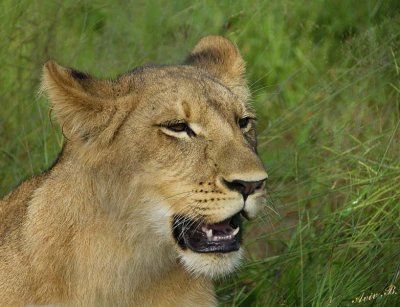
x=325 y=77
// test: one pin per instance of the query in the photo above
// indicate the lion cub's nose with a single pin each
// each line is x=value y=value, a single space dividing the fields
x=245 y=188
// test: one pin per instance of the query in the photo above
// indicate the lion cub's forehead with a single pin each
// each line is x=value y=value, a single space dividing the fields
x=187 y=91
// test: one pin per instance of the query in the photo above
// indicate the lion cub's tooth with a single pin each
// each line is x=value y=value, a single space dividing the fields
x=209 y=234
x=235 y=231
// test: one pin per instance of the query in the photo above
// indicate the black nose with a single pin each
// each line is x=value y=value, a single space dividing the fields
x=245 y=188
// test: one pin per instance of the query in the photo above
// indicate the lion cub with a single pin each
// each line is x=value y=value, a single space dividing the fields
x=144 y=205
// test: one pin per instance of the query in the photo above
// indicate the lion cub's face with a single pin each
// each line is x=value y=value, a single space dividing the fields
x=182 y=139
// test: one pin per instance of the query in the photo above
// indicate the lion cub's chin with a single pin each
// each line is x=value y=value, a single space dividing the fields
x=210 y=264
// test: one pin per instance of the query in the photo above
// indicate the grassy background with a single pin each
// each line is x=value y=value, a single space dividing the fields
x=325 y=77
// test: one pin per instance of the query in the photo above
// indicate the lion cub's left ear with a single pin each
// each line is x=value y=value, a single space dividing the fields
x=221 y=58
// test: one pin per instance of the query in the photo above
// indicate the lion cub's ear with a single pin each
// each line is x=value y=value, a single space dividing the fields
x=221 y=58
x=80 y=113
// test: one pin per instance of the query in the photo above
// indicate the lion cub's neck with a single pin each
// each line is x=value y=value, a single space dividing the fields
x=110 y=256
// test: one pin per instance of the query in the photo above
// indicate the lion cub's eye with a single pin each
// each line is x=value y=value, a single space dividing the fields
x=179 y=127
x=244 y=122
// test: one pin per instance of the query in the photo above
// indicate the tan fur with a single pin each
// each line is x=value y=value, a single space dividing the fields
x=96 y=228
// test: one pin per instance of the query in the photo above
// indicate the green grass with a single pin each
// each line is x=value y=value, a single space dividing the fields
x=325 y=77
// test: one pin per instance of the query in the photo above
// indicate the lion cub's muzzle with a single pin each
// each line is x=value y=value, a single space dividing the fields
x=221 y=237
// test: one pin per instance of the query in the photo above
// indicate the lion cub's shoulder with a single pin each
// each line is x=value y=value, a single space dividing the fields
x=13 y=206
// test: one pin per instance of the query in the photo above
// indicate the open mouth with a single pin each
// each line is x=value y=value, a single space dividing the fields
x=222 y=237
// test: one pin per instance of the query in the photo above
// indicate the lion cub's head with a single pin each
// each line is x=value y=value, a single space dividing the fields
x=172 y=150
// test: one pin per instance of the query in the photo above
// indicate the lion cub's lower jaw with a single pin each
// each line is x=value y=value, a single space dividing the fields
x=211 y=265
x=208 y=265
